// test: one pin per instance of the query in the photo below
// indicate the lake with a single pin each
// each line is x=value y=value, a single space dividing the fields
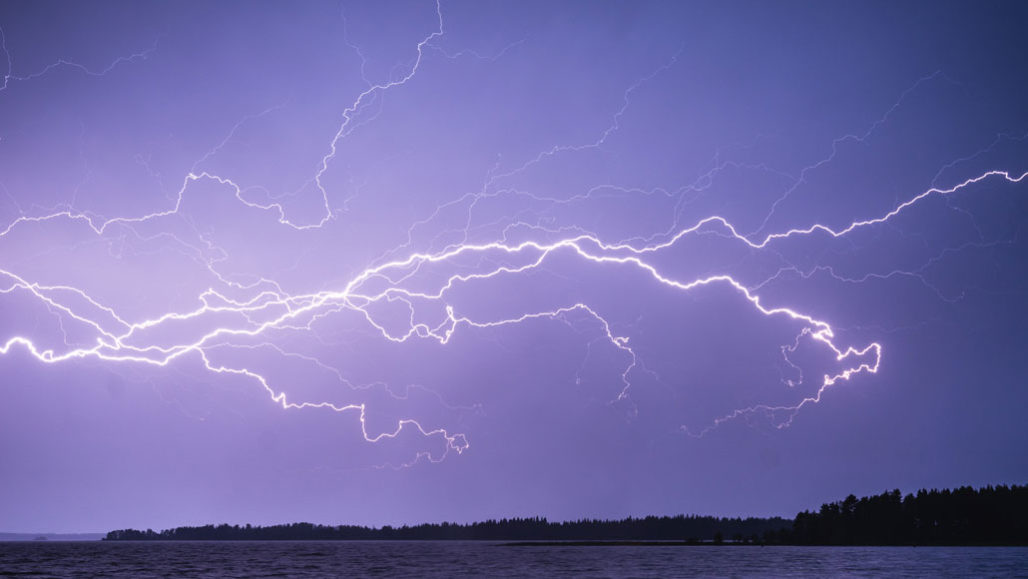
x=484 y=559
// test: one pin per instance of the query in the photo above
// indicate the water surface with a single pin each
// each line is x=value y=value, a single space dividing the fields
x=485 y=559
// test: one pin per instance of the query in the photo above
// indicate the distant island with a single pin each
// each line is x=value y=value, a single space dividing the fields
x=992 y=515
x=4 y=536
x=681 y=527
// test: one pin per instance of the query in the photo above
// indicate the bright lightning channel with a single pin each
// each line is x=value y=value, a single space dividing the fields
x=117 y=340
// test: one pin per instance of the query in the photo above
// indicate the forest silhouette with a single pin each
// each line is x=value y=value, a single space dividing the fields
x=991 y=515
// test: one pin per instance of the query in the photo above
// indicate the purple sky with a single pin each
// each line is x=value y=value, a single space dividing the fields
x=383 y=263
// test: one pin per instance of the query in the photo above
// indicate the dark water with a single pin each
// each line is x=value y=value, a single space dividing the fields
x=474 y=559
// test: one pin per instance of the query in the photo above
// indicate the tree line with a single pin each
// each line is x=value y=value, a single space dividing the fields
x=991 y=515
x=681 y=527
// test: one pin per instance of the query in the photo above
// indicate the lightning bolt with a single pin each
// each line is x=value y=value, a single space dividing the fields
x=10 y=77
x=416 y=281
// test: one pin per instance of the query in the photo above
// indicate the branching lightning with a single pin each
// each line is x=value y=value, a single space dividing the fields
x=396 y=279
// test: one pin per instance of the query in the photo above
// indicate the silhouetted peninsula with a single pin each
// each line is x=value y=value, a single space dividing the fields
x=964 y=516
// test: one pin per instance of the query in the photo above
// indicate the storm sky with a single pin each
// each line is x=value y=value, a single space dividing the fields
x=387 y=263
